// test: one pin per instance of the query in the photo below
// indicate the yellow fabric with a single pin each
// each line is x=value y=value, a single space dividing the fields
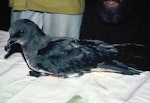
x=53 y=6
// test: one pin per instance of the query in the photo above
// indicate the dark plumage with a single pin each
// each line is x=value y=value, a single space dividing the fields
x=64 y=56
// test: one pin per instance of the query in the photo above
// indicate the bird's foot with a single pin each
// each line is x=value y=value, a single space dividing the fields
x=39 y=74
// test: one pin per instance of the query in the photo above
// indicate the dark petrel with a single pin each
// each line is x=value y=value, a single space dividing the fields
x=62 y=56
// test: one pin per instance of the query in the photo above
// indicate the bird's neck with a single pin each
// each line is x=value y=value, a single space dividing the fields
x=36 y=43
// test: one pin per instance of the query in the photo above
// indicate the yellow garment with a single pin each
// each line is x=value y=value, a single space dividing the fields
x=53 y=6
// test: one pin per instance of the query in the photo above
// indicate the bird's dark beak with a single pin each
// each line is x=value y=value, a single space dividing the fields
x=9 y=44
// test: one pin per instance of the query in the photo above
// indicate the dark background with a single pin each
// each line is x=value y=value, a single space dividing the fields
x=134 y=28
x=4 y=15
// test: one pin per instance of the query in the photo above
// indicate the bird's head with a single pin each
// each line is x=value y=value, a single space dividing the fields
x=22 y=32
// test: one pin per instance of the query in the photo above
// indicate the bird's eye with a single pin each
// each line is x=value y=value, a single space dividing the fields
x=18 y=34
x=21 y=32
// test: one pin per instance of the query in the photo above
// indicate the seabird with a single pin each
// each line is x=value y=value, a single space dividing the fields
x=62 y=56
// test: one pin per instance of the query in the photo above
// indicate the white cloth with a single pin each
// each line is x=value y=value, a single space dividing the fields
x=59 y=25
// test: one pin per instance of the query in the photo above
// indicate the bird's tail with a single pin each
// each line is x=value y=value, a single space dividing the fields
x=119 y=67
x=133 y=55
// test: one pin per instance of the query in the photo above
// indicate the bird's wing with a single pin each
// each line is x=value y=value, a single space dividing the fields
x=69 y=55
x=71 y=48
